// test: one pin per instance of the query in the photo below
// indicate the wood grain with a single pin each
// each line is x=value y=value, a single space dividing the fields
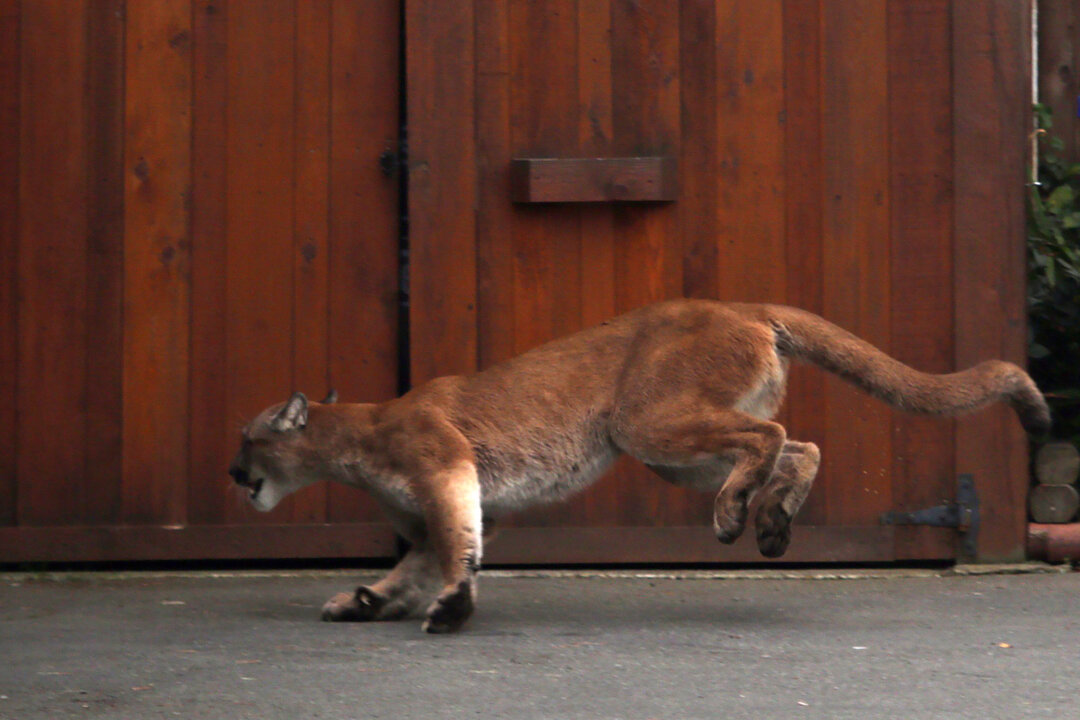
x=547 y=276
x=157 y=251
x=260 y=57
x=311 y=202
x=750 y=151
x=105 y=263
x=363 y=223
x=52 y=263
x=804 y=213
x=921 y=171
x=554 y=180
x=812 y=544
x=10 y=17
x=544 y=123
x=596 y=223
x=214 y=430
x=440 y=57
x=857 y=462
x=699 y=157
x=369 y=541
x=645 y=100
x=990 y=49
x=227 y=236
x=1059 y=70
x=496 y=220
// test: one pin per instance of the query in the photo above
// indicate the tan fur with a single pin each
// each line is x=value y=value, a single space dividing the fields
x=689 y=387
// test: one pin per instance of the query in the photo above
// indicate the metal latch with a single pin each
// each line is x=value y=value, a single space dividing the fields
x=962 y=515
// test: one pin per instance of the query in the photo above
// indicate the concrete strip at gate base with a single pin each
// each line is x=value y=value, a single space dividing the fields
x=358 y=574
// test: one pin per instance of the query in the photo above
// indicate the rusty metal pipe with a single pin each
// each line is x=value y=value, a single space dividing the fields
x=1053 y=542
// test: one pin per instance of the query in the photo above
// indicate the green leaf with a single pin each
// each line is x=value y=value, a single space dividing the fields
x=1062 y=196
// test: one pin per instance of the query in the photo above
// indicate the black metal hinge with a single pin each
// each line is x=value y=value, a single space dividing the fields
x=962 y=515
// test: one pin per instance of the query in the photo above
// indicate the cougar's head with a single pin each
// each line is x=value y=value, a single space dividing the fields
x=269 y=465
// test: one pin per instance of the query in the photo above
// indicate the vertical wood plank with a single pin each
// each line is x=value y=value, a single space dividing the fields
x=363 y=227
x=699 y=164
x=645 y=100
x=10 y=17
x=215 y=430
x=1059 y=72
x=51 y=438
x=311 y=213
x=440 y=56
x=804 y=215
x=991 y=50
x=855 y=470
x=921 y=206
x=157 y=164
x=259 y=211
x=105 y=264
x=595 y=131
x=543 y=54
x=749 y=149
x=495 y=218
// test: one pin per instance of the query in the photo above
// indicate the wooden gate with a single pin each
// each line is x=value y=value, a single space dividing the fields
x=194 y=221
x=860 y=159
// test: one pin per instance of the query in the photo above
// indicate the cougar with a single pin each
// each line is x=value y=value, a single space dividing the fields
x=688 y=387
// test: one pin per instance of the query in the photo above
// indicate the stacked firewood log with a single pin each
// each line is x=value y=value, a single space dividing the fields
x=1055 y=499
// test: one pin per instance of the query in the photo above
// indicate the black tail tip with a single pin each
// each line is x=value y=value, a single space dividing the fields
x=1036 y=420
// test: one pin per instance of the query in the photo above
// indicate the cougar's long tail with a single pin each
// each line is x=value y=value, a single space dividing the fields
x=805 y=336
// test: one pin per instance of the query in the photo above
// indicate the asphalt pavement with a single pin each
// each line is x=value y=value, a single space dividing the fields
x=880 y=644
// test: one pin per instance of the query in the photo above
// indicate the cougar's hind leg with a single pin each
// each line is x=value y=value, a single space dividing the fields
x=700 y=435
x=784 y=494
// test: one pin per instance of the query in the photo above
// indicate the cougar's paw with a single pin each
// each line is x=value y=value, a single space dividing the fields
x=450 y=610
x=729 y=521
x=362 y=605
x=773 y=530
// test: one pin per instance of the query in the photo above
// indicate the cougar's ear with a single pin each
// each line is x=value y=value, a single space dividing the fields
x=331 y=398
x=293 y=416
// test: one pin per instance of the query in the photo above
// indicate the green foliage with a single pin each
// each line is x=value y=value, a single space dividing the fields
x=1053 y=248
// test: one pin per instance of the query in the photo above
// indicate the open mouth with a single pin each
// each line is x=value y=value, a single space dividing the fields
x=254 y=487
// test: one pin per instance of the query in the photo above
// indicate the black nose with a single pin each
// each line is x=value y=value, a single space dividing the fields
x=239 y=474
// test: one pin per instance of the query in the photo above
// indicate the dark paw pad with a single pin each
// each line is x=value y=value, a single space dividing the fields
x=773 y=531
x=363 y=605
x=450 y=610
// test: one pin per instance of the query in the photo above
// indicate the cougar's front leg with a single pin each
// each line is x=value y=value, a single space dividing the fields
x=396 y=596
x=454 y=529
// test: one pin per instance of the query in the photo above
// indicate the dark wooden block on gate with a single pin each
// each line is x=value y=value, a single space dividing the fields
x=625 y=179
